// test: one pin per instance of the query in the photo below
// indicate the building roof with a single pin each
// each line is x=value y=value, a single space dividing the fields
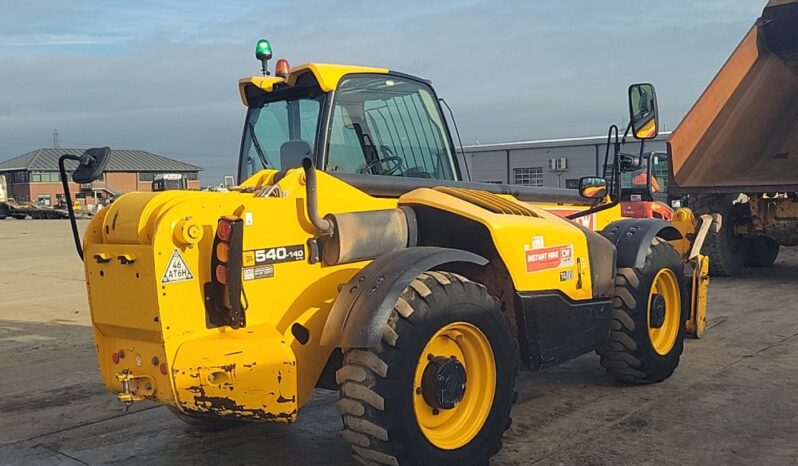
x=546 y=143
x=120 y=161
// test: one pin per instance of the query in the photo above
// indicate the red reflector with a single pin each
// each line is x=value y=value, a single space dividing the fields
x=163 y=368
x=221 y=274
x=223 y=252
x=224 y=230
x=282 y=68
x=115 y=358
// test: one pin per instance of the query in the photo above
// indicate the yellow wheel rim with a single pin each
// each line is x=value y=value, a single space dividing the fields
x=449 y=429
x=664 y=311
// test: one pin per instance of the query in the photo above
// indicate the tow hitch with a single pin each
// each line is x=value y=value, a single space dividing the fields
x=134 y=387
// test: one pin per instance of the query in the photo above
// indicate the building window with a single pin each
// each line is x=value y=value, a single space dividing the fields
x=146 y=176
x=532 y=176
x=43 y=199
x=44 y=177
x=572 y=183
x=192 y=176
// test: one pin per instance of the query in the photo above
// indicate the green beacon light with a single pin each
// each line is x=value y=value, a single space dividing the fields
x=263 y=52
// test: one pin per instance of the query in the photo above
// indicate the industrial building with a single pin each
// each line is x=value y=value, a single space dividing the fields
x=34 y=177
x=551 y=162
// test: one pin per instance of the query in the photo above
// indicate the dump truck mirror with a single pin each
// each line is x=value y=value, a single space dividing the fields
x=592 y=187
x=91 y=165
x=643 y=111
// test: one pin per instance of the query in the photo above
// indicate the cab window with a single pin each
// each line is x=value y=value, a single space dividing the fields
x=388 y=125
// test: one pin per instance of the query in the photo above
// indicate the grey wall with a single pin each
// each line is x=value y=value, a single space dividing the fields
x=496 y=165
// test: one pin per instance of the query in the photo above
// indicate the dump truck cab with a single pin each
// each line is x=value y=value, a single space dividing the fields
x=644 y=191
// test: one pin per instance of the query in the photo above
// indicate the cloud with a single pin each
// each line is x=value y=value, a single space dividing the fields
x=162 y=76
x=47 y=40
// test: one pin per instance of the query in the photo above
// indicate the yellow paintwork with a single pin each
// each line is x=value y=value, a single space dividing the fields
x=265 y=83
x=684 y=220
x=698 y=318
x=328 y=76
x=133 y=311
x=666 y=285
x=514 y=235
x=450 y=429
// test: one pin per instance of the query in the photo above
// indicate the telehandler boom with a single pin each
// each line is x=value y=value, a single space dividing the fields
x=352 y=258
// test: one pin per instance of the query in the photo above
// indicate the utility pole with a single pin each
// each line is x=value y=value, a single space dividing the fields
x=56 y=145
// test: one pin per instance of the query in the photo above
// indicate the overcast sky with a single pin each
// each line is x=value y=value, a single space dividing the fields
x=162 y=76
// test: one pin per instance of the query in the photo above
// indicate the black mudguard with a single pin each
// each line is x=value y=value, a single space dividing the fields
x=632 y=238
x=362 y=308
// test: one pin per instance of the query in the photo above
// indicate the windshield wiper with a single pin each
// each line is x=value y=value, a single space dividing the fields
x=261 y=155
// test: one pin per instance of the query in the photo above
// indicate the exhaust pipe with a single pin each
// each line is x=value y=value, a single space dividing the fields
x=357 y=236
x=312 y=199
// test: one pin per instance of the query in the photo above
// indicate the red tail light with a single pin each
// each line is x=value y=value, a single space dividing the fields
x=224 y=229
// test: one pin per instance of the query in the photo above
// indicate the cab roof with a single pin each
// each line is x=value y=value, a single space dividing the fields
x=328 y=76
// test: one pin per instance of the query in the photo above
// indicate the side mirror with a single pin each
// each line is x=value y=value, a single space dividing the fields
x=592 y=187
x=91 y=165
x=643 y=111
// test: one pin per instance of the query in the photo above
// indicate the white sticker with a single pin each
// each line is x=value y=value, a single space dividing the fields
x=248 y=219
x=176 y=270
x=537 y=242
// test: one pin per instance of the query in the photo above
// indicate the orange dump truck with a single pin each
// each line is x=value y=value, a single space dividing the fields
x=736 y=151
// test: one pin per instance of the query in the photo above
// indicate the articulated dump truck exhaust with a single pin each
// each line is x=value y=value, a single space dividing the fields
x=736 y=151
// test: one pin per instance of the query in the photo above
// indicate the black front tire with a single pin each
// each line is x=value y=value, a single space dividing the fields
x=763 y=252
x=629 y=354
x=727 y=251
x=377 y=384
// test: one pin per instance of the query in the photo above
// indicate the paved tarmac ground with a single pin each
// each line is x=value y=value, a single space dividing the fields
x=733 y=400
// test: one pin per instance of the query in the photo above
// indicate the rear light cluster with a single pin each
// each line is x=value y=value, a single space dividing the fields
x=224 y=233
x=226 y=266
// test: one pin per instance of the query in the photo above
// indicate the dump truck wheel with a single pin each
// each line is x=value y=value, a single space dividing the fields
x=205 y=424
x=763 y=252
x=439 y=387
x=727 y=252
x=649 y=311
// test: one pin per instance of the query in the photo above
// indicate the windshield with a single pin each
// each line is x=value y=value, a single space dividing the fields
x=388 y=125
x=273 y=124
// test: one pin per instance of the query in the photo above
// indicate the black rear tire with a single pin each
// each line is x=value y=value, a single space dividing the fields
x=630 y=354
x=378 y=396
x=727 y=251
x=763 y=252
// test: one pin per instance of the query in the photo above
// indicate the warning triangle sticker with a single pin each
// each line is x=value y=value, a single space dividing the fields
x=176 y=270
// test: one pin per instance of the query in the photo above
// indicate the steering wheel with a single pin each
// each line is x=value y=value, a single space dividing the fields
x=397 y=164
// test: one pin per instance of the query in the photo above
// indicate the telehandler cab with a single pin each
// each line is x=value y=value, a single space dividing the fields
x=351 y=258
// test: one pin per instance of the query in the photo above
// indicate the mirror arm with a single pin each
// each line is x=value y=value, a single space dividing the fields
x=68 y=196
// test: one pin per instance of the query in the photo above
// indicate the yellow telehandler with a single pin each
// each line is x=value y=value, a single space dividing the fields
x=352 y=257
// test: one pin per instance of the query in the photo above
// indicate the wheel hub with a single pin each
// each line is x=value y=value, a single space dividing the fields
x=657 y=311
x=443 y=383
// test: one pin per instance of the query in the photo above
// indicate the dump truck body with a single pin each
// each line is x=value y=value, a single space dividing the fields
x=736 y=150
x=742 y=133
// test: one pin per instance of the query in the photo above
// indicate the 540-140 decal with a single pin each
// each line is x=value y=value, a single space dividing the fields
x=259 y=263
